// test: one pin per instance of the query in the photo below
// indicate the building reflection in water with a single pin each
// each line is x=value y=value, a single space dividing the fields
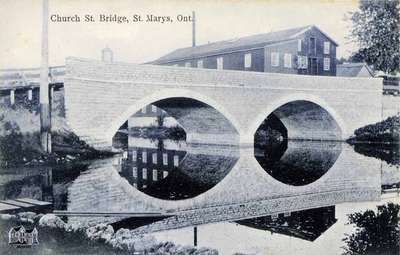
x=297 y=162
x=171 y=170
x=306 y=224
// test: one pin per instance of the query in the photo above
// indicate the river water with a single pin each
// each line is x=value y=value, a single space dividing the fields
x=294 y=198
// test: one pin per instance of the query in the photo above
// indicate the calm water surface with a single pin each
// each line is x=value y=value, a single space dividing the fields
x=293 y=198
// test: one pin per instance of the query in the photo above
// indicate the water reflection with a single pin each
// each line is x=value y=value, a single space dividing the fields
x=210 y=187
x=390 y=153
x=171 y=170
x=43 y=183
x=298 y=162
x=306 y=224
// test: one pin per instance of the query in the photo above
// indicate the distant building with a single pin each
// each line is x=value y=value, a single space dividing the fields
x=391 y=84
x=107 y=55
x=21 y=236
x=151 y=115
x=354 y=70
x=302 y=50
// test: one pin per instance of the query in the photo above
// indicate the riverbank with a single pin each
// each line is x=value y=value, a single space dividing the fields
x=380 y=140
x=384 y=132
x=158 y=132
x=56 y=235
x=18 y=149
x=20 y=139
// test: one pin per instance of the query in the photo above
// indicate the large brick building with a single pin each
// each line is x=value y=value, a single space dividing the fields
x=302 y=50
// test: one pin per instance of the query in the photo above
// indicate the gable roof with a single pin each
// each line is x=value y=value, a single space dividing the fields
x=352 y=69
x=247 y=42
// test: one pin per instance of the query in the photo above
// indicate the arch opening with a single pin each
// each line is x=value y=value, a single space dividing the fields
x=180 y=118
x=298 y=142
x=172 y=148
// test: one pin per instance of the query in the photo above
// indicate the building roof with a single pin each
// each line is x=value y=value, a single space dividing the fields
x=352 y=69
x=242 y=43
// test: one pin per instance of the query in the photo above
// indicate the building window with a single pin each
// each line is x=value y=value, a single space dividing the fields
x=275 y=59
x=165 y=174
x=299 y=45
x=155 y=175
x=247 y=60
x=134 y=156
x=153 y=108
x=302 y=62
x=154 y=158
x=200 y=63
x=144 y=173
x=165 y=159
x=220 y=63
x=30 y=94
x=187 y=64
x=287 y=60
x=327 y=64
x=313 y=46
x=176 y=160
x=144 y=157
x=134 y=172
x=327 y=47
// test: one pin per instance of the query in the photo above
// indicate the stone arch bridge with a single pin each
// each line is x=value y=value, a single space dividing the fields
x=216 y=106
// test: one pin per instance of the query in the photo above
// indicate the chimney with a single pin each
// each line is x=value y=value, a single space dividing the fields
x=107 y=55
x=193 y=29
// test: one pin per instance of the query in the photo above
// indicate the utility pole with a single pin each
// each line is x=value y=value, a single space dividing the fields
x=195 y=236
x=45 y=105
x=193 y=29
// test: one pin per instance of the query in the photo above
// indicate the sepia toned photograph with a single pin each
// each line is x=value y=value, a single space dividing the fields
x=226 y=127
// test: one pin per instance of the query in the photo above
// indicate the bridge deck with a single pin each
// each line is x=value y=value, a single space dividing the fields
x=12 y=79
x=22 y=204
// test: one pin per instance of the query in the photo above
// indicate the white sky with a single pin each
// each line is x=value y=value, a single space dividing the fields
x=20 y=26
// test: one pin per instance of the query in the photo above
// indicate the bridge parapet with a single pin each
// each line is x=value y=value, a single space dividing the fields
x=86 y=69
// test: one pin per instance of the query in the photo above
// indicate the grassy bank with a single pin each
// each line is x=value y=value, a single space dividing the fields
x=159 y=132
x=57 y=236
x=384 y=132
x=24 y=149
x=20 y=138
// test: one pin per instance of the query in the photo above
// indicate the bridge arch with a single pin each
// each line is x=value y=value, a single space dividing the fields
x=166 y=94
x=318 y=101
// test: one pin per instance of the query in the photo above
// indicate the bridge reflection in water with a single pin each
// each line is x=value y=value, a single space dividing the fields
x=306 y=224
x=298 y=162
x=239 y=190
x=205 y=184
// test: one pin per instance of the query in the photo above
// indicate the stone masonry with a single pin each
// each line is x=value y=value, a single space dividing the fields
x=100 y=97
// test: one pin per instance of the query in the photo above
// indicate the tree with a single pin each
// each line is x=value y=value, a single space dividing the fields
x=376 y=233
x=358 y=56
x=341 y=61
x=376 y=30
